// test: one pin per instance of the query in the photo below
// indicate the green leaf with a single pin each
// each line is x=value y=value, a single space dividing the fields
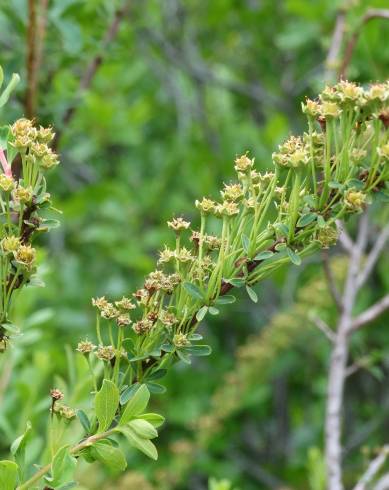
x=296 y=259
x=1 y=76
x=154 y=418
x=83 y=418
x=245 y=243
x=237 y=282
x=62 y=468
x=195 y=336
x=225 y=300
x=8 y=475
x=156 y=388
x=193 y=290
x=265 y=254
x=198 y=350
x=213 y=311
x=201 y=313
x=253 y=295
x=106 y=404
x=144 y=445
x=335 y=184
x=7 y=91
x=49 y=224
x=136 y=405
x=306 y=219
x=128 y=393
x=183 y=356
x=4 y=131
x=11 y=328
x=321 y=221
x=143 y=428
x=109 y=455
x=18 y=449
x=168 y=347
x=160 y=373
x=282 y=229
x=19 y=444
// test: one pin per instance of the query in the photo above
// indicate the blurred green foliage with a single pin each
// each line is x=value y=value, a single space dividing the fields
x=182 y=88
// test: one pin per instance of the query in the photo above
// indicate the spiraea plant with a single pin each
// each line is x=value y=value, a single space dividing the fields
x=25 y=157
x=263 y=221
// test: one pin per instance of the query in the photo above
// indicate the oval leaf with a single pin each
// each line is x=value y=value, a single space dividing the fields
x=136 y=405
x=106 y=404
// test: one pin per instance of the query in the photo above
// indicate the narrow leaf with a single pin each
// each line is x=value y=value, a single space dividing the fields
x=201 y=313
x=296 y=259
x=156 y=388
x=253 y=295
x=83 y=418
x=266 y=254
x=193 y=290
x=225 y=300
x=198 y=350
x=245 y=243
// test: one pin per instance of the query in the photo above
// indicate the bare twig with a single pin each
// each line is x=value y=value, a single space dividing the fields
x=344 y=237
x=374 y=255
x=370 y=314
x=373 y=469
x=332 y=60
x=382 y=483
x=323 y=327
x=348 y=53
x=338 y=363
x=330 y=280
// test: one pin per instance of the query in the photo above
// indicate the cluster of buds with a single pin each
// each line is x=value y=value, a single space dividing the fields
x=327 y=236
x=180 y=340
x=354 y=200
x=293 y=153
x=243 y=164
x=7 y=183
x=33 y=143
x=64 y=411
x=25 y=255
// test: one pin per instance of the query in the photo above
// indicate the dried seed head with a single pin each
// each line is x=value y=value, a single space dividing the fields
x=105 y=353
x=184 y=255
x=125 y=304
x=166 y=255
x=85 y=347
x=143 y=327
x=178 y=224
x=100 y=303
x=56 y=394
x=110 y=312
x=123 y=320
